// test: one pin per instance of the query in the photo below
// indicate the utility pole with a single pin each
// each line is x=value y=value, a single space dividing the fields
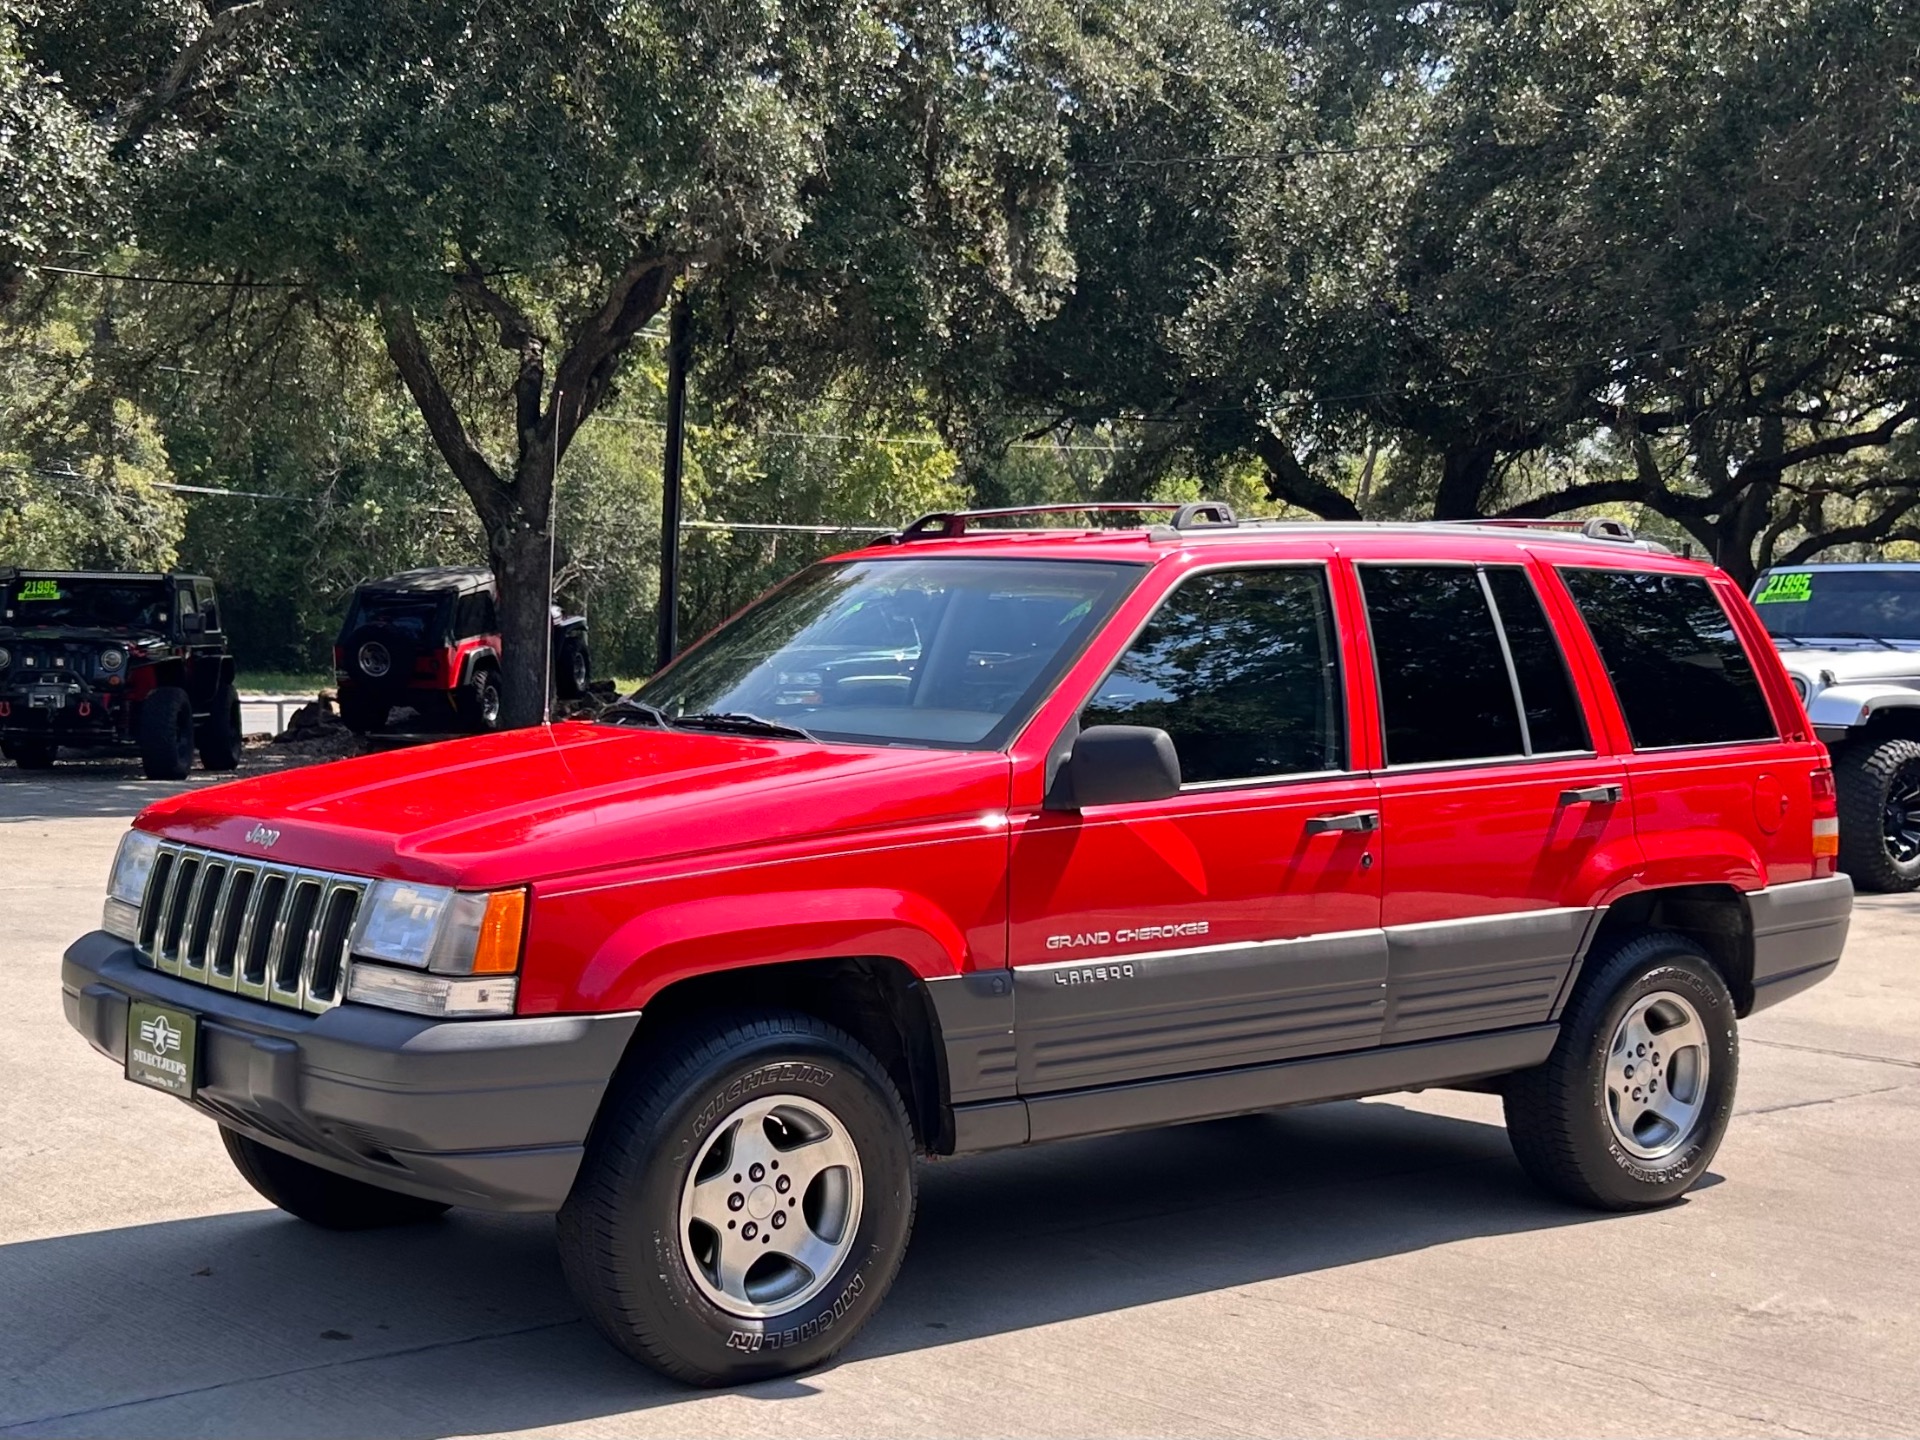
x=679 y=353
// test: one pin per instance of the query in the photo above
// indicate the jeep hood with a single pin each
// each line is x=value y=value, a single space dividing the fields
x=530 y=805
x=1850 y=664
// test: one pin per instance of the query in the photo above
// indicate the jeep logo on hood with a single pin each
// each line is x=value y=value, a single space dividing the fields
x=263 y=837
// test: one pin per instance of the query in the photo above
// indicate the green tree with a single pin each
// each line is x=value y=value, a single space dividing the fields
x=513 y=194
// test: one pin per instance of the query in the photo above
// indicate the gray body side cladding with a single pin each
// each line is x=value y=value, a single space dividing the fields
x=1799 y=931
x=492 y=1114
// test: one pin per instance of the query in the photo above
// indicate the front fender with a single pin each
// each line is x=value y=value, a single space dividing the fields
x=1847 y=706
x=716 y=933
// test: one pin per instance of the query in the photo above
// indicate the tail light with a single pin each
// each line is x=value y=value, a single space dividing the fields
x=1826 y=823
x=339 y=657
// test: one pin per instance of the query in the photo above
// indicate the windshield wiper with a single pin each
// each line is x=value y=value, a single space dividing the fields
x=629 y=706
x=744 y=723
x=1881 y=641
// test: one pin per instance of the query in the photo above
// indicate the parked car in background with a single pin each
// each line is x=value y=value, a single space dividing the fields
x=1850 y=638
x=429 y=639
x=102 y=659
x=983 y=838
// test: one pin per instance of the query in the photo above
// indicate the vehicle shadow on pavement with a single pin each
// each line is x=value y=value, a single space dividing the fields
x=252 y=1324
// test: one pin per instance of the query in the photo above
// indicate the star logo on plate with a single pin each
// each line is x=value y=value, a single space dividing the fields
x=158 y=1035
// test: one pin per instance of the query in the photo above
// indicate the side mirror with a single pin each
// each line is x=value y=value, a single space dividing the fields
x=189 y=622
x=1117 y=764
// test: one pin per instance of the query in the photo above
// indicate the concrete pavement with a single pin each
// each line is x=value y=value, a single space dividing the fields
x=1378 y=1267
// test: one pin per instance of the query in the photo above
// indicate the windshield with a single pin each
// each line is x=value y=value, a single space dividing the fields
x=939 y=652
x=1841 y=604
x=86 y=604
x=416 y=617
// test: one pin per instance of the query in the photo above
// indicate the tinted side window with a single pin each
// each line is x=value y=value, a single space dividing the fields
x=1554 y=719
x=1676 y=663
x=1241 y=669
x=1444 y=689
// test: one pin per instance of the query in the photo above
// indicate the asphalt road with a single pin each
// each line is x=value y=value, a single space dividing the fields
x=1375 y=1268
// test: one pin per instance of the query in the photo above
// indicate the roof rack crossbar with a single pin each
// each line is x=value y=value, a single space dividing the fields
x=1600 y=527
x=948 y=524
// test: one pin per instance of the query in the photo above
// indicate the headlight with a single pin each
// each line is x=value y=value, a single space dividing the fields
x=127 y=884
x=6 y=657
x=446 y=932
x=1800 y=687
x=112 y=660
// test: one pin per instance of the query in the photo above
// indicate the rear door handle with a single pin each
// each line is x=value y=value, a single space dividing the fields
x=1352 y=820
x=1592 y=794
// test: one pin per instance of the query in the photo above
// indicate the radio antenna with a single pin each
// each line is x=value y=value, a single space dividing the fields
x=553 y=513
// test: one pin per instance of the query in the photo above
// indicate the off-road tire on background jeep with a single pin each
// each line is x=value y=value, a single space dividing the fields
x=166 y=734
x=621 y=1230
x=574 y=672
x=478 y=701
x=29 y=754
x=219 y=736
x=362 y=714
x=1558 y=1114
x=321 y=1197
x=1873 y=778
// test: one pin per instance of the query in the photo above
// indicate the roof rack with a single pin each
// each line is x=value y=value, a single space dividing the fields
x=1598 y=528
x=1187 y=515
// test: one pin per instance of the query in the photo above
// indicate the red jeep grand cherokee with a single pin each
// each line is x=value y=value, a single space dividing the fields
x=977 y=839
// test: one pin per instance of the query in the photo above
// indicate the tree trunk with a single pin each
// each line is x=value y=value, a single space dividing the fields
x=521 y=551
x=1463 y=480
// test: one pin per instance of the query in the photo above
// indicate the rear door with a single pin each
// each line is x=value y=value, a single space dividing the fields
x=1238 y=921
x=1707 y=805
x=1499 y=816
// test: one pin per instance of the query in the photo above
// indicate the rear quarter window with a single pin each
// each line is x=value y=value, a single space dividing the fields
x=1676 y=662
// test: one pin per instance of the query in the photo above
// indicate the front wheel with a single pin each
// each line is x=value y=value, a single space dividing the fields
x=1879 y=785
x=745 y=1201
x=166 y=734
x=1630 y=1107
x=320 y=1197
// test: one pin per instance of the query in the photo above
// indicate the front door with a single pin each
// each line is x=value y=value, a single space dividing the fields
x=1238 y=921
x=1499 y=820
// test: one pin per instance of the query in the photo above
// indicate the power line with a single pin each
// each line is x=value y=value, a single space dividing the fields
x=1239 y=157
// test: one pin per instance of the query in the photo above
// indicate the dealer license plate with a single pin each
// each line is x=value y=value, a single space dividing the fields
x=163 y=1047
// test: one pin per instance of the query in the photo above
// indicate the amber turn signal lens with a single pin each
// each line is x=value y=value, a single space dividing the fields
x=501 y=932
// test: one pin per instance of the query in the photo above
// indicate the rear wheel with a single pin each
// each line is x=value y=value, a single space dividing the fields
x=30 y=754
x=321 y=1197
x=745 y=1200
x=1630 y=1107
x=166 y=734
x=362 y=714
x=219 y=739
x=479 y=700
x=1879 y=785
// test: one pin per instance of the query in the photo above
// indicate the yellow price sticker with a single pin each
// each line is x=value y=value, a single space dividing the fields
x=39 y=590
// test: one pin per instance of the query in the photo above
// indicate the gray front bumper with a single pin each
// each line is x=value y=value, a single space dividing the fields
x=1799 y=931
x=486 y=1113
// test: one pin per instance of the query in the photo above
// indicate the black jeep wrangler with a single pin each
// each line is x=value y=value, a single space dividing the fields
x=429 y=639
x=91 y=660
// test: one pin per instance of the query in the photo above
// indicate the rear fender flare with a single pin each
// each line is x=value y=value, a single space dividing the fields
x=707 y=936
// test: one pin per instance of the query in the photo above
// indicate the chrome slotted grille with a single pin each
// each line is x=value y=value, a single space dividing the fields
x=272 y=932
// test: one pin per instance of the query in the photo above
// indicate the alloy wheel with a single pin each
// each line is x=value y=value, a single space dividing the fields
x=770 y=1209
x=1656 y=1075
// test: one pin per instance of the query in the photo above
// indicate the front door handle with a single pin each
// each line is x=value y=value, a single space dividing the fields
x=1592 y=794
x=1352 y=820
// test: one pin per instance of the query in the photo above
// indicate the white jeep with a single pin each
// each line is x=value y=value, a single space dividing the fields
x=1850 y=636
